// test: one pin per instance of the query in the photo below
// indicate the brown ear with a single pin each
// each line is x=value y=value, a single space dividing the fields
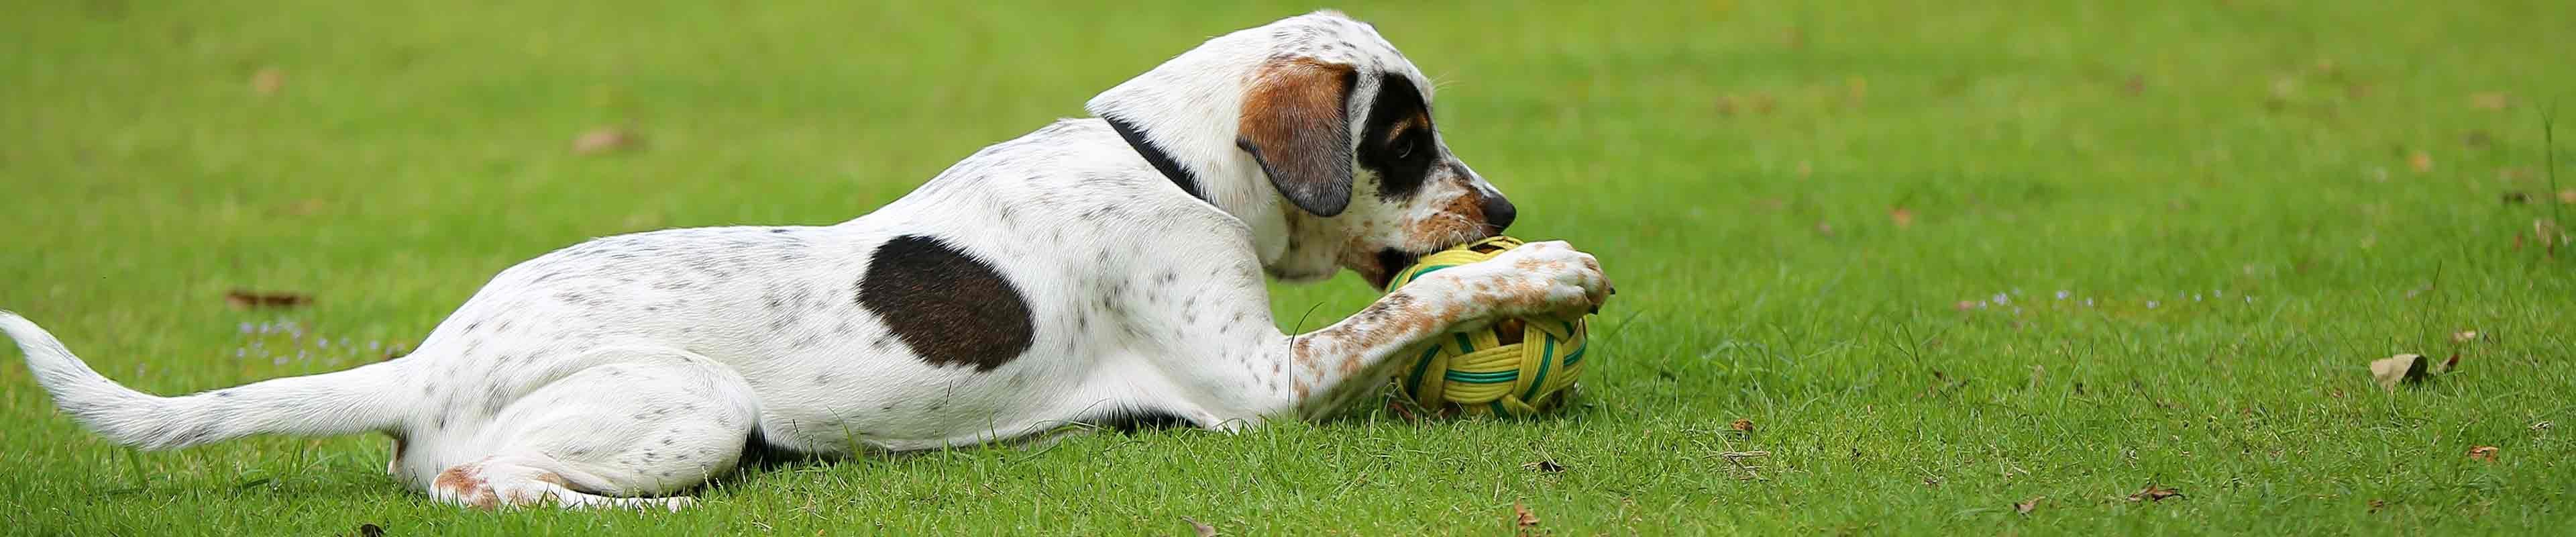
x=1295 y=125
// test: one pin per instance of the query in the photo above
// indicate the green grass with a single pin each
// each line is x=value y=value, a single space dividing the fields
x=2224 y=190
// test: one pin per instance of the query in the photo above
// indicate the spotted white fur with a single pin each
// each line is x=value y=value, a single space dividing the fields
x=626 y=369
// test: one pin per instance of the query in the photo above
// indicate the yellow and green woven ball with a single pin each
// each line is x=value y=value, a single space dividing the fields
x=1516 y=367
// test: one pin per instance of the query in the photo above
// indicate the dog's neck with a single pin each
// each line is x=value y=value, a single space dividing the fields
x=1183 y=118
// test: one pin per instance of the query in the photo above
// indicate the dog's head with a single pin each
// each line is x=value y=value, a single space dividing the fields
x=1316 y=133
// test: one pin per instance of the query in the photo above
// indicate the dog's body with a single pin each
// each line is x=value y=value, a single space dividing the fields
x=1106 y=269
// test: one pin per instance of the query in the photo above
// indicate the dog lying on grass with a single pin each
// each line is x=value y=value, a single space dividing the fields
x=1106 y=270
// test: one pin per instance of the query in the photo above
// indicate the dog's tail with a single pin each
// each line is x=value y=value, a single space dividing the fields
x=352 y=401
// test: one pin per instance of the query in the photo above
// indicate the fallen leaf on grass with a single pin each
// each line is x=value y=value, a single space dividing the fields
x=307 y=206
x=2567 y=196
x=2155 y=493
x=603 y=140
x=1741 y=425
x=1903 y=217
x=2376 y=505
x=2490 y=100
x=1547 y=466
x=1203 y=530
x=2483 y=453
x=2420 y=161
x=267 y=81
x=240 y=299
x=2028 y=506
x=2403 y=368
x=1522 y=518
x=2463 y=336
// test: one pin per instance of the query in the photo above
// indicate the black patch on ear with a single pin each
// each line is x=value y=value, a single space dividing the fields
x=949 y=307
x=1154 y=155
x=1402 y=163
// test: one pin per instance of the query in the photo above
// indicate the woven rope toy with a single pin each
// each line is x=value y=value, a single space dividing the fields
x=1517 y=367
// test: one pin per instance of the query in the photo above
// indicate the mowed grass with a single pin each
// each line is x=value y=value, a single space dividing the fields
x=1847 y=223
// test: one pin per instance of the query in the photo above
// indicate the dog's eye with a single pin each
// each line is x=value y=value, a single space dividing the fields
x=1405 y=144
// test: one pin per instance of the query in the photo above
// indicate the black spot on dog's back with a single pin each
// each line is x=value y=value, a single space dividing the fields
x=949 y=307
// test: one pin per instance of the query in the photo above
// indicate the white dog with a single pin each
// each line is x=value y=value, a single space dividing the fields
x=1101 y=270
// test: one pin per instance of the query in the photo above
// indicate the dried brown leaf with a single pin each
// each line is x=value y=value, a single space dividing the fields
x=2155 y=492
x=2464 y=336
x=2420 y=161
x=2376 y=505
x=2483 y=453
x=2394 y=370
x=2567 y=196
x=2028 y=506
x=2490 y=100
x=1903 y=217
x=267 y=81
x=603 y=140
x=1741 y=425
x=243 y=300
x=1522 y=518
x=1202 y=529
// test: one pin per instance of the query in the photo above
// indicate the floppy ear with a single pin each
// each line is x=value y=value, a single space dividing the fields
x=1296 y=125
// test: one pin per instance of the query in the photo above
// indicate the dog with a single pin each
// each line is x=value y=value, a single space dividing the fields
x=1104 y=270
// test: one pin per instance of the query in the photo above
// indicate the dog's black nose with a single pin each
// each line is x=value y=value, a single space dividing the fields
x=1499 y=213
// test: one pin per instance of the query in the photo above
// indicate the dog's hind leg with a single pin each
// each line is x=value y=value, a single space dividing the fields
x=645 y=424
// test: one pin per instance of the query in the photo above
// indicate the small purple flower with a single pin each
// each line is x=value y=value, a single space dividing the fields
x=245 y=327
x=2001 y=299
x=241 y=353
x=324 y=342
x=2061 y=294
x=375 y=345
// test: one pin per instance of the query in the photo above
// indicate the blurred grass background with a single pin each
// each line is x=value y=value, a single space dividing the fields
x=1847 y=222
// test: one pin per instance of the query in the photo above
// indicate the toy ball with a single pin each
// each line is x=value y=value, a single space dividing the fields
x=1516 y=367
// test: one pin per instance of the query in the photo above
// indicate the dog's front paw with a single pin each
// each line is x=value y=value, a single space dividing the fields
x=1548 y=277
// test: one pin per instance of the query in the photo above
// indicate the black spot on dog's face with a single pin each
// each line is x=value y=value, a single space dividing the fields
x=949 y=307
x=1397 y=142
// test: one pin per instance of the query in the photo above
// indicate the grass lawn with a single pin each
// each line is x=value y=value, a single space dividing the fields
x=1943 y=257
